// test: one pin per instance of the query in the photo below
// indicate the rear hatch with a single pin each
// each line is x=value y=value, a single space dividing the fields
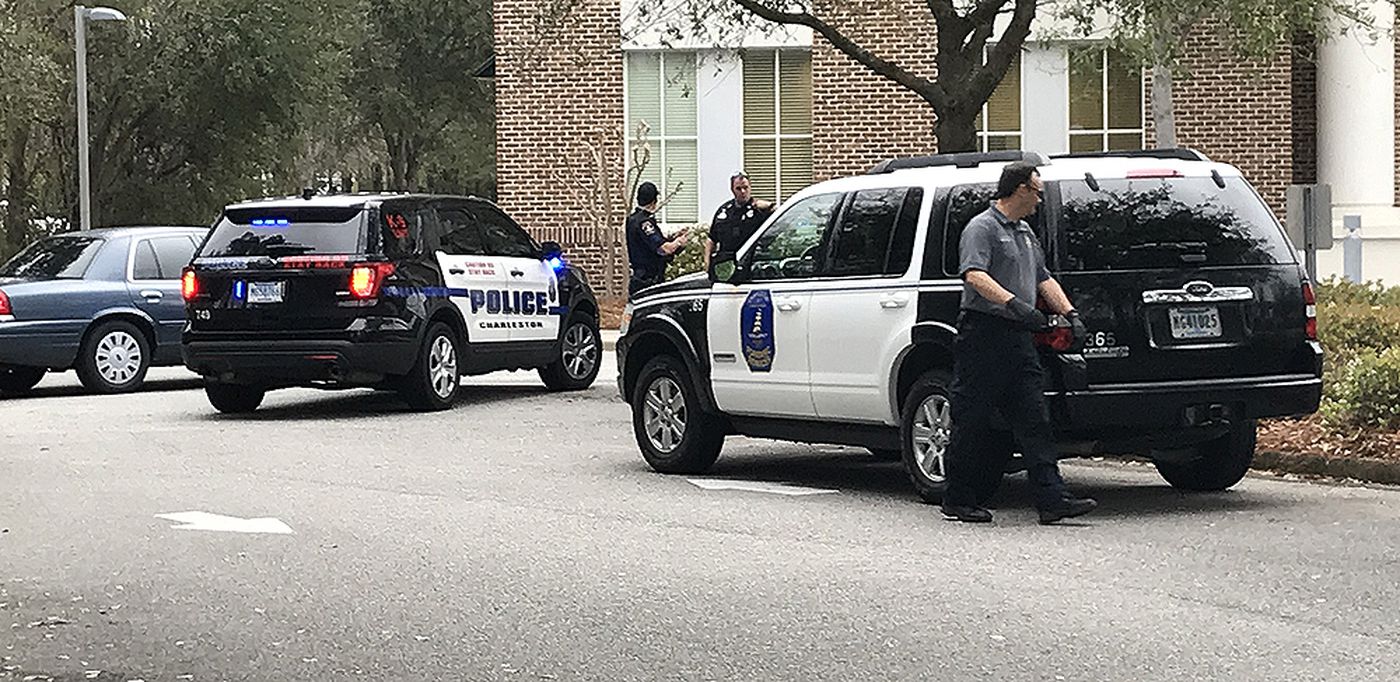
x=281 y=271
x=1179 y=278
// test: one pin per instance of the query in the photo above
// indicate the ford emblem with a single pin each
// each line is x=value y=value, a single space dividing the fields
x=1200 y=288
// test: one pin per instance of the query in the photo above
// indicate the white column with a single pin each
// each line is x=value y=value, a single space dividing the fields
x=1356 y=116
x=720 y=89
x=1044 y=98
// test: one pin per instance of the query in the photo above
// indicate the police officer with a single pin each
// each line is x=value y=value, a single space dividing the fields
x=737 y=219
x=995 y=364
x=648 y=251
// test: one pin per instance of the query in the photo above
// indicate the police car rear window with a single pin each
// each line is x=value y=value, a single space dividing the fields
x=1172 y=222
x=64 y=257
x=287 y=232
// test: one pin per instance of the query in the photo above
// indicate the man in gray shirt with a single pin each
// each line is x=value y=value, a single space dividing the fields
x=995 y=363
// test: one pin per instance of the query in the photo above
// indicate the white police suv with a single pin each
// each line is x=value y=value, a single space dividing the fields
x=835 y=322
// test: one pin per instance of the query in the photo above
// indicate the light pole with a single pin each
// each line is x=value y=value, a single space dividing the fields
x=81 y=15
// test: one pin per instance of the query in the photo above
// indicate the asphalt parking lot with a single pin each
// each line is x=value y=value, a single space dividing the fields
x=520 y=536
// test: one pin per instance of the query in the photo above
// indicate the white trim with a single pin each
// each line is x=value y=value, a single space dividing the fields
x=7 y=318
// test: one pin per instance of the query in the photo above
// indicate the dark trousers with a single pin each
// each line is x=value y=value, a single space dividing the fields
x=996 y=370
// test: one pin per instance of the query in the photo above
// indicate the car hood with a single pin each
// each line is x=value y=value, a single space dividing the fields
x=693 y=282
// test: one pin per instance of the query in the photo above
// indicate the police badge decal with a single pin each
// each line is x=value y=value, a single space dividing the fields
x=756 y=331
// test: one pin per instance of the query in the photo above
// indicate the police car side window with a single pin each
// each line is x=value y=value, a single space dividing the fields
x=401 y=228
x=461 y=233
x=503 y=236
x=172 y=255
x=145 y=267
x=876 y=233
x=791 y=246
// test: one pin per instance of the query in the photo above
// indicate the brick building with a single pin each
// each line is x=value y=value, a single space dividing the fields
x=790 y=109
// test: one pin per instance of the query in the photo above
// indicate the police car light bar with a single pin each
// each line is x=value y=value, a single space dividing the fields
x=271 y=222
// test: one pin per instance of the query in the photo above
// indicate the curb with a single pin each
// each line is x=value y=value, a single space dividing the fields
x=1364 y=469
x=609 y=339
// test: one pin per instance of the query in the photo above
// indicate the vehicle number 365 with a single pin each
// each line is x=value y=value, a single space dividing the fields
x=1101 y=340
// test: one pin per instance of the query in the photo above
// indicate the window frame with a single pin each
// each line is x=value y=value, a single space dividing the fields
x=984 y=132
x=149 y=242
x=777 y=137
x=443 y=224
x=657 y=136
x=833 y=231
x=1104 y=132
x=823 y=246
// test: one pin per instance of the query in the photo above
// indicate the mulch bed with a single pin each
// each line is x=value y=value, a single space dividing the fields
x=1307 y=447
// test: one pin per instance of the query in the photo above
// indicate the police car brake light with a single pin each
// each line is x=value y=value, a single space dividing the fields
x=1153 y=173
x=189 y=284
x=5 y=304
x=366 y=278
x=1310 y=309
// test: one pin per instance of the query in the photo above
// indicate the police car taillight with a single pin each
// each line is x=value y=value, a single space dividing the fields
x=367 y=278
x=5 y=305
x=1058 y=339
x=1310 y=306
x=189 y=284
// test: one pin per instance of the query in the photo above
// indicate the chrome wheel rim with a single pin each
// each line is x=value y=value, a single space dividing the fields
x=664 y=415
x=442 y=367
x=930 y=436
x=118 y=357
x=580 y=351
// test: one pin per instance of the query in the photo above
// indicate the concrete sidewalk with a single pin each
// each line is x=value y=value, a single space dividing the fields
x=609 y=339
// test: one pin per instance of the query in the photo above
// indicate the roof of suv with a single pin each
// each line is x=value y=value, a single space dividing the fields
x=342 y=200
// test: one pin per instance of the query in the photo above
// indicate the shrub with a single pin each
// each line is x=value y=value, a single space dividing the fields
x=692 y=258
x=1365 y=391
x=1334 y=291
x=1346 y=329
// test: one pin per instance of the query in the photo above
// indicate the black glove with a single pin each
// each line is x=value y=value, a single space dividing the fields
x=1078 y=332
x=1025 y=315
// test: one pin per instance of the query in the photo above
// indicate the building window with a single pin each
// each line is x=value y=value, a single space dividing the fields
x=1105 y=101
x=778 y=122
x=661 y=93
x=999 y=123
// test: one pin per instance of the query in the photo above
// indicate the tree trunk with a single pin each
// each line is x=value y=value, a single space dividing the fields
x=957 y=130
x=17 y=192
x=1163 y=112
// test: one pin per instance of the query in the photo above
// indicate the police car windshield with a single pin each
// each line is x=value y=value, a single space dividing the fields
x=64 y=257
x=1174 y=222
x=287 y=232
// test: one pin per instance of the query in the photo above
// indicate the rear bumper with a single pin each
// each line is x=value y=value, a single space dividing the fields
x=1181 y=404
x=40 y=344
x=290 y=362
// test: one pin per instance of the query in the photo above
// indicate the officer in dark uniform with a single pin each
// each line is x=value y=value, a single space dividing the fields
x=736 y=220
x=648 y=251
x=995 y=363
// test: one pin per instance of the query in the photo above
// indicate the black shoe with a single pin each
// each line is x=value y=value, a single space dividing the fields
x=1067 y=508
x=967 y=514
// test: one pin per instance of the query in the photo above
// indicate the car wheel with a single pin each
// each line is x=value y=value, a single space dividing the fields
x=16 y=379
x=432 y=384
x=234 y=398
x=1219 y=463
x=580 y=356
x=675 y=435
x=925 y=426
x=114 y=358
x=885 y=455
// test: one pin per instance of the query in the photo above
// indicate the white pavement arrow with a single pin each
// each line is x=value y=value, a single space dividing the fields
x=757 y=487
x=198 y=520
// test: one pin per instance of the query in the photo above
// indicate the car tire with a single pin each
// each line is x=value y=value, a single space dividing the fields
x=234 y=398
x=679 y=437
x=436 y=378
x=886 y=455
x=18 y=379
x=580 y=356
x=924 y=426
x=114 y=358
x=1220 y=463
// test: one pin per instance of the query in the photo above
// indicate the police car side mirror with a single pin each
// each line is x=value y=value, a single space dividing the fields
x=550 y=250
x=725 y=268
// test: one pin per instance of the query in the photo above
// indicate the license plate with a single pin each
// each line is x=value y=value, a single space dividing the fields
x=1195 y=323
x=266 y=292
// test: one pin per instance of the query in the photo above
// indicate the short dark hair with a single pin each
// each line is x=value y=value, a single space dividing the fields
x=647 y=194
x=1013 y=176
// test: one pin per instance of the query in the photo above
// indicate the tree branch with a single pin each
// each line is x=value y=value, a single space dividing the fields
x=999 y=58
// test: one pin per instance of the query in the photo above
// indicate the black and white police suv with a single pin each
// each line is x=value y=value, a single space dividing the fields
x=400 y=291
x=835 y=322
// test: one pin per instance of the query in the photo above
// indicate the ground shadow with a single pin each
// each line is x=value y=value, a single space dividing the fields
x=78 y=390
x=359 y=403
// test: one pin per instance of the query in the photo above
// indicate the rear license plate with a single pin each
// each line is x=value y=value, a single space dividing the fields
x=1195 y=323
x=266 y=292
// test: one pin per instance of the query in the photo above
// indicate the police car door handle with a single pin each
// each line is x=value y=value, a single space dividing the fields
x=788 y=304
x=152 y=295
x=892 y=301
x=516 y=273
x=456 y=271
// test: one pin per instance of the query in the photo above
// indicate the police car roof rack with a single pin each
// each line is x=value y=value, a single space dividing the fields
x=1180 y=153
x=960 y=160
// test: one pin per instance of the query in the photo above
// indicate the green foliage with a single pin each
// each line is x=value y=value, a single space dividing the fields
x=691 y=259
x=1336 y=291
x=1365 y=391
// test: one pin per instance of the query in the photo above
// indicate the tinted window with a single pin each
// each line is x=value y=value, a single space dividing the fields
x=145 y=266
x=1167 y=223
x=964 y=204
x=789 y=248
x=287 y=232
x=172 y=255
x=462 y=235
x=400 y=229
x=876 y=234
x=65 y=257
x=503 y=236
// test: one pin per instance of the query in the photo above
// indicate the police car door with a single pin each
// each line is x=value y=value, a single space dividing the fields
x=758 y=327
x=532 y=284
x=865 y=304
x=474 y=280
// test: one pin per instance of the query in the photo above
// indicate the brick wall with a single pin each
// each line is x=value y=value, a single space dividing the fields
x=1239 y=113
x=858 y=117
x=559 y=121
